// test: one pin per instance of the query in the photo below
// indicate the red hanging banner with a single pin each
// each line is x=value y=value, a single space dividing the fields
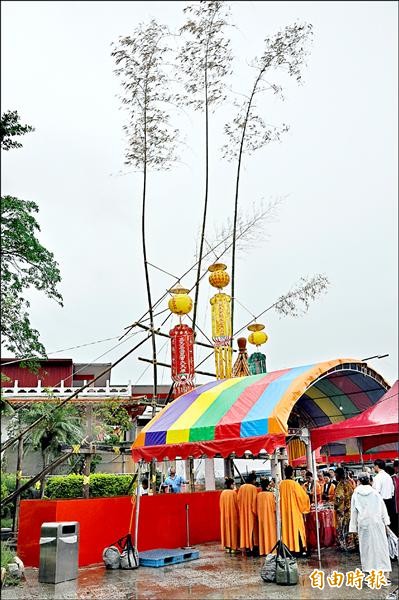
x=182 y=345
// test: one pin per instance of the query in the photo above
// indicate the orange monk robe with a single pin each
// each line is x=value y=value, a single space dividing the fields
x=266 y=509
x=294 y=503
x=319 y=491
x=229 y=519
x=331 y=493
x=247 y=495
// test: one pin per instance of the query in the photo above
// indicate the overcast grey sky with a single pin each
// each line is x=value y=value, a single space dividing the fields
x=336 y=169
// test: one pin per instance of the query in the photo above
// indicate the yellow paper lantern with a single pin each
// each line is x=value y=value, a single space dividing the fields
x=218 y=278
x=258 y=336
x=180 y=303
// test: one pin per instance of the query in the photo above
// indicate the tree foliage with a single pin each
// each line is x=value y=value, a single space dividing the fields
x=205 y=57
x=140 y=60
x=25 y=263
x=286 y=51
x=10 y=127
x=297 y=300
x=61 y=426
x=249 y=132
x=112 y=421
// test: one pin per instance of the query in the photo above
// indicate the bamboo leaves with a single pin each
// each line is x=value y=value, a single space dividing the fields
x=141 y=65
x=248 y=132
x=296 y=302
x=205 y=57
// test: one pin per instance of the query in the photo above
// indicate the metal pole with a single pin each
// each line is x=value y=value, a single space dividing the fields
x=278 y=513
x=136 y=524
x=360 y=446
x=187 y=526
x=315 y=502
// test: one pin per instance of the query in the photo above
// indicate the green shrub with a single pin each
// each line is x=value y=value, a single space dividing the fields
x=64 y=486
x=105 y=485
x=102 y=485
x=7 y=557
x=7 y=487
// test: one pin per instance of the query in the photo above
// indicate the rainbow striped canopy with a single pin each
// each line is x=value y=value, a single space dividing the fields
x=251 y=413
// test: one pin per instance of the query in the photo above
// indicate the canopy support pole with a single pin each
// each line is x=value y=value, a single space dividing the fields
x=313 y=454
x=360 y=446
x=277 y=478
x=136 y=524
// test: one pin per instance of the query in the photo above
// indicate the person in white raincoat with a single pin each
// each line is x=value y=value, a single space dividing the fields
x=369 y=518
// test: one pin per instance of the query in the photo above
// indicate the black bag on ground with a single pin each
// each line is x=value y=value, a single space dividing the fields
x=129 y=555
x=121 y=555
x=286 y=567
x=281 y=567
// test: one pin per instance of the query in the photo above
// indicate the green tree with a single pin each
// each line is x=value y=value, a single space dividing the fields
x=10 y=127
x=61 y=426
x=25 y=263
x=113 y=421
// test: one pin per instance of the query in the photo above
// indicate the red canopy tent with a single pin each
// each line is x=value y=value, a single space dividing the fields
x=376 y=426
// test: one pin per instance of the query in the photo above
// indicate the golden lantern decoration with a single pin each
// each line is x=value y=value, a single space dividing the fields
x=180 y=303
x=257 y=337
x=221 y=321
x=182 y=343
x=218 y=277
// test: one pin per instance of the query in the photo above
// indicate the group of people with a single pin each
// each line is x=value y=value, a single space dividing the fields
x=364 y=507
x=248 y=517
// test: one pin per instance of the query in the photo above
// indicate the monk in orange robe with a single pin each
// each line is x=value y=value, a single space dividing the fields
x=266 y=509
x=319 y=486
x=294 y=503
x=229 y=516
x=247 y=495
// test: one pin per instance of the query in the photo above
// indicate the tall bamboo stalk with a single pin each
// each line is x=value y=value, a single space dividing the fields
x=204 y=62
x=286 y=50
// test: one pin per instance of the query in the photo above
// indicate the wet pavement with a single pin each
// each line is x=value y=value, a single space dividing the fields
x=214 y=575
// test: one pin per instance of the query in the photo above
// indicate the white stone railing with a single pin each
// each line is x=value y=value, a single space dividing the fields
x=107 y=390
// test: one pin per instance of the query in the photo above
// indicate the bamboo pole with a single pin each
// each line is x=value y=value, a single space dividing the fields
x=11 y=441
x=36 y=478
x=162 y=364
x=20 y=452
x=166 y=335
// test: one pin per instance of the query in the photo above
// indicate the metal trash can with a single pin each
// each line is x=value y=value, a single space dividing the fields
x=59 y=547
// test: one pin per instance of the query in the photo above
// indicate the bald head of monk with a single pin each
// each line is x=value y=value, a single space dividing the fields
x=251 y=478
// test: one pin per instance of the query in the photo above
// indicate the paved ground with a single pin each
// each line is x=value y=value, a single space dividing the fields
x=214 y=576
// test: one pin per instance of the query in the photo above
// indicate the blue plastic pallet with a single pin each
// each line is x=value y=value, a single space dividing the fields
x=161 y=557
